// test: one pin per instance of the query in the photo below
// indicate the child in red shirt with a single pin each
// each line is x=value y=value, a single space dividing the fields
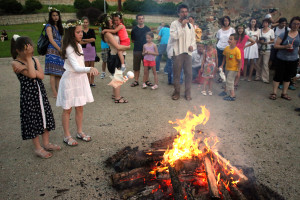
x=120 y=29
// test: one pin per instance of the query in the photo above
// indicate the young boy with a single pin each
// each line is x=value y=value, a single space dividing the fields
x=232 y=55
x=197 y=59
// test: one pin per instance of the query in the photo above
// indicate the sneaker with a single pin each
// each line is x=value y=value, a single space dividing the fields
x=229 y=98
x=154 y=87
x=280 y=87
x=223 y=94
x=291 y=87
x=144 y=86
x=102 y=76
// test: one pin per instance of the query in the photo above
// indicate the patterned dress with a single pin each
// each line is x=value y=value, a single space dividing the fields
x=54 y=64
x=209 y=64
x=35 y=110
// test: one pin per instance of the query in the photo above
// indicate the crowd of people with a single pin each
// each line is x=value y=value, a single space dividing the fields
x=71 y=55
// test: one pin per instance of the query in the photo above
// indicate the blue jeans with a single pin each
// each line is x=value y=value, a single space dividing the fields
x=169 y=69
x=162 y=49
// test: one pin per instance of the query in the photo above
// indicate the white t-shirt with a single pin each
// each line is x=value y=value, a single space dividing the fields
x=278 y=31
x=223 y=37
x=268 y=36
x=252 y=34
x=196 y=59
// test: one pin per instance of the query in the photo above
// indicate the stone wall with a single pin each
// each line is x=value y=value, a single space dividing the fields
x=209 y=12
x=43 y=17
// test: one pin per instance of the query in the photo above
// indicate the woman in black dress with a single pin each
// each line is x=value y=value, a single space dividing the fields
x=35 y=110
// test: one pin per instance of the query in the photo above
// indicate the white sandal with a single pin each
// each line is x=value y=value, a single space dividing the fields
x=70 y=141
x=210 y=93
x=203 y=92
x=84 y=137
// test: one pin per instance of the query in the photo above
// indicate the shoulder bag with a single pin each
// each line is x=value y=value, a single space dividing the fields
x=42 y=43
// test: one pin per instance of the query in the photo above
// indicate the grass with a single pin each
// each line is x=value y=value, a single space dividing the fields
x=33 y=31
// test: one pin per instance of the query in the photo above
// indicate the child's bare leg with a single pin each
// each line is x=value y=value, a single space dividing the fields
x=47 y=145
x=210 y=84
x=78 y=118
x=36 y=143
x=66 y=122
x=146 y=74
x=155 y=75
x=204 y=84
x=39 y=150
x=232 y=93
x=245 y=68
x=120 y=54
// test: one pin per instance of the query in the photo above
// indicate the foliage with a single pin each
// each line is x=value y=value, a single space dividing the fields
x=100 y=5
x=32 y=5
x=128 y=22
x=62 y=8
x=91 y=13
x=168 y=8
x=82 y=4
x=11 y=6
x=132 y=5
x=149 y=6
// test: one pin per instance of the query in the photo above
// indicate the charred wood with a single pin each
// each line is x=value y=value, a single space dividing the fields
x=118 y=156
x=164 y=143
x=211 y=179
x=177 y=188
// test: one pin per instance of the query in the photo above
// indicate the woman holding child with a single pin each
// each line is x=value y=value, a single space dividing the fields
x=113 y=42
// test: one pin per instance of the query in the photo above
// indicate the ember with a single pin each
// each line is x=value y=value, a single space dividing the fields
x=183 y=167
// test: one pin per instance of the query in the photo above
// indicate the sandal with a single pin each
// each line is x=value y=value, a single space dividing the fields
x=121 y=100
x=134 y=84
x=286 y=97
x=272 y=96
x=42 y=153
x=70 y=141
x=84 y=137
x=52 y=147
x=113 y=97
x=148 y=83
x=203 y=92
x=210 y=93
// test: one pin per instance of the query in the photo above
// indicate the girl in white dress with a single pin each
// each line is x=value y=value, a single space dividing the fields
x=251 y=53
x=74 y=88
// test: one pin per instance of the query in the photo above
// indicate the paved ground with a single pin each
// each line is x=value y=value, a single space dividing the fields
x=253 y=131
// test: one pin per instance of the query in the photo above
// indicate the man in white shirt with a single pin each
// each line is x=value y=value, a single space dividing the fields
x=183 y=36
x=281 y=28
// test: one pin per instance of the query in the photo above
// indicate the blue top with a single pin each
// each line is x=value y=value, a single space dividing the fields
x=284 y=54
x=164 y=33
x=104 y=45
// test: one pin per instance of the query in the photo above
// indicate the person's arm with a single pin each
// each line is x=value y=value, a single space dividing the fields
x=155 y=53
x=223 y=62
x=193 y=42
x=113 y=30
x=39 y=71
x=110 y=39
x=144 y=52
x=278 y=45
x=216 y=57
x=50 y=37
x=176 y=32
x=70 y=54
x=252 y=43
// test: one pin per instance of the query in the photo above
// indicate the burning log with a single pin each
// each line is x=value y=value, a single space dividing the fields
x=177 y=188
x=118 y=156
x=212 y=183
x=224 y=191
x=164 y=143
x=132 y=178
x=224 y=162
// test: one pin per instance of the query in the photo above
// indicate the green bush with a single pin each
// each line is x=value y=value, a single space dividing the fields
x=91 y=13
x=82 y=4
x=11 y=6
x=129 y=23
x=100 y=5
x=168 y=8
x=61 y=8
x=32 y=5
x=150 y=6
x=132 y=5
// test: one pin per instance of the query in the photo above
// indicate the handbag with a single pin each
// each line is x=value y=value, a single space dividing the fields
x=42 y=43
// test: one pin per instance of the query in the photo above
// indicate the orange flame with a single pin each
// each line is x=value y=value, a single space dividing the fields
x=185 y=146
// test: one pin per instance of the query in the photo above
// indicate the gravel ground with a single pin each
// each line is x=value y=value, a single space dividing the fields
x=253 y=131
